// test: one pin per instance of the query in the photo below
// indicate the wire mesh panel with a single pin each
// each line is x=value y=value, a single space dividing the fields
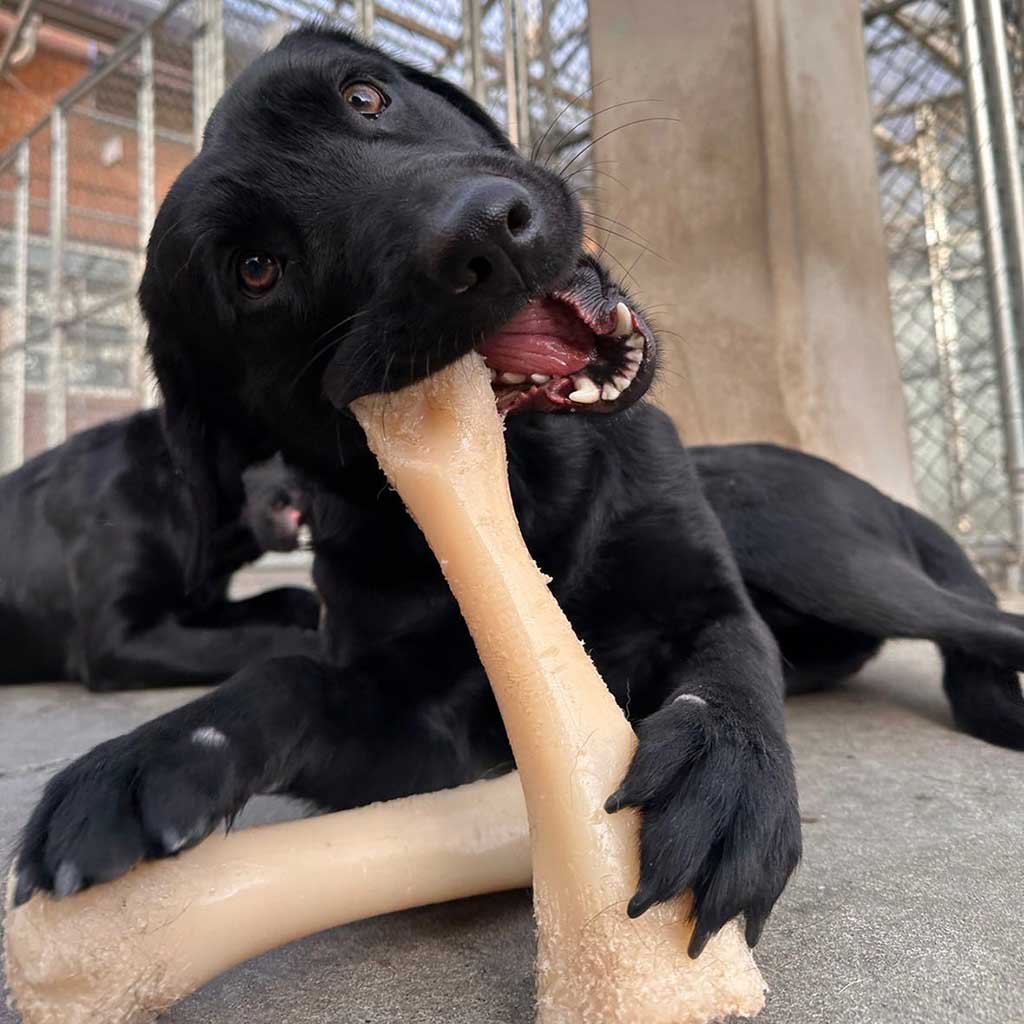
x=96 y=170
x=937 y=273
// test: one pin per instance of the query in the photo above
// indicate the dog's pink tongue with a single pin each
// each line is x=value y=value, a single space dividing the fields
x=545 y=337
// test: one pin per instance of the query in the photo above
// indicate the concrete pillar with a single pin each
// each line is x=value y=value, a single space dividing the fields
x=763 y=199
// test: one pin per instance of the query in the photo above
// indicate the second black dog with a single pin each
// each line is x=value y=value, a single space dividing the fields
x=97 y=537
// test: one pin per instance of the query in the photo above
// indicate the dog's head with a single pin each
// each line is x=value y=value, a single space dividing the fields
x=350 y=225
x=276 y=506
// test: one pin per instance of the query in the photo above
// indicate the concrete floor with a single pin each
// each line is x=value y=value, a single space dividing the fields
x=906 y=910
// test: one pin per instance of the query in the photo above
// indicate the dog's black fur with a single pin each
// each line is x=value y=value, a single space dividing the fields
x=389 y=272
x=96 y=538
x=836 y=568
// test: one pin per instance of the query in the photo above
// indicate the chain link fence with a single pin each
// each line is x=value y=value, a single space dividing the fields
x=79 y=190
x=956 y=352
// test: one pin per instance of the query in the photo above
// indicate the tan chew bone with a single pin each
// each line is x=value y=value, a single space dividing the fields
x=122 y=952
x=441 y=444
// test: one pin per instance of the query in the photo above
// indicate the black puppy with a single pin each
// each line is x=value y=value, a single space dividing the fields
x=836 y=568
x=350 y=225
x=97 y=535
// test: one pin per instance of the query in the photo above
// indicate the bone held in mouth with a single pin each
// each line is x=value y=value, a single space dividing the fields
x=441 y=444
x=121 y=953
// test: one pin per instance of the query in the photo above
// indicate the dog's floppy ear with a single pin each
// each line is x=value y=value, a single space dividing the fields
x=193 y=445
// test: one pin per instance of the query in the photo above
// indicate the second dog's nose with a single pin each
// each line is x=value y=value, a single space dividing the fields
x=484 y=238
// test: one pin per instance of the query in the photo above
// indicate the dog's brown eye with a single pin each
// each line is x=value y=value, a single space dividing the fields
x=365 y=99
x=258 y=273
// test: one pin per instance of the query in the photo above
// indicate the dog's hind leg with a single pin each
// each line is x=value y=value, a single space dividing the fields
x=885 y=592
x=985 y=695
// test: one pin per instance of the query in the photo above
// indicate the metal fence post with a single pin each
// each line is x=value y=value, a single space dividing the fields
x=1005 y=140
x=199 y=63
x=944 y=314
x=146 y=105
x=207 y=64
x=1006 y=331
x=511 y=93
x=215 y=55
x=364 y=18
x=56 y=368
x=473 y=52
x=12 y=353
x=548 y=62
x=522 y=54
x=517 y=73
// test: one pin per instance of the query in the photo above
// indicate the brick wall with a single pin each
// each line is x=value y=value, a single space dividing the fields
x=83 y=411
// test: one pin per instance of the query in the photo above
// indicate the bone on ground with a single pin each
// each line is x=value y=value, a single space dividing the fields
x=122 y=952
x=441 y=444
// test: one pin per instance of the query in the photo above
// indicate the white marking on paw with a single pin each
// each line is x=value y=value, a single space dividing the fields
x=207 y=736
x=692 y=698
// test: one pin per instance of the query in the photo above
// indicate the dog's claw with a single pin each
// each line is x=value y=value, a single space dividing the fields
x=616 y=801
x=640 y=903
x=698 y=940
x=755 y=925
x=23 y=888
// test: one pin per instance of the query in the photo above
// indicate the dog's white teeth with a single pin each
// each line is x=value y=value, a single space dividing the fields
x=635 y=342
x=586 y=393
x=493 y=373
x=623 y=321
x=621 y=381
x=609 y=393
x=539 y=378
x=634 y=358
x=513 y=378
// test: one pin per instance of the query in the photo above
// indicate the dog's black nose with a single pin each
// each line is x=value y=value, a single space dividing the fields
x=485 y=236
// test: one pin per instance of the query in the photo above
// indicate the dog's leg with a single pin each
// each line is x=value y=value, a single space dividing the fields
x=986 y=697
x=712 y=773
x=290 y=725
x=282 y=606
x=925 y=590
x=118 y=654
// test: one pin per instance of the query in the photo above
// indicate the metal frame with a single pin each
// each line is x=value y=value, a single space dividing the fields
x=146 y=104
x=12 y=352
x=56 y=370
x=944 y=314
x=1006 y=329
x=473 y=52
x=14 y=37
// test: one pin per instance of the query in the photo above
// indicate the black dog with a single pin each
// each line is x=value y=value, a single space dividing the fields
x=350 y=225
x=836 y=568
x=96 y=541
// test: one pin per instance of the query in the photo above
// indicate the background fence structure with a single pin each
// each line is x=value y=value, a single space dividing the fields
x=80 y=181
x=943 y=76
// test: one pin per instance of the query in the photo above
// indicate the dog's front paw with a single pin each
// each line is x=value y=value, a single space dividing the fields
x=145 y=795
x=720 y=816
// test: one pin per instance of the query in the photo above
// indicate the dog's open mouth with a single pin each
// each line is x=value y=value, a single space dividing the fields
x=559 y=355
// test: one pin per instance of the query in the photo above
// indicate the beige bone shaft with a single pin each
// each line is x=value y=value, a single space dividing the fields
x=122 y=952
x=441 y=444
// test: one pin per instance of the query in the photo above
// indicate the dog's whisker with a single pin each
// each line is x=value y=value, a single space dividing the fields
x=590 y=117
x=619 y=223
x=612 y=131
x=535 y=151
x=632 y=241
